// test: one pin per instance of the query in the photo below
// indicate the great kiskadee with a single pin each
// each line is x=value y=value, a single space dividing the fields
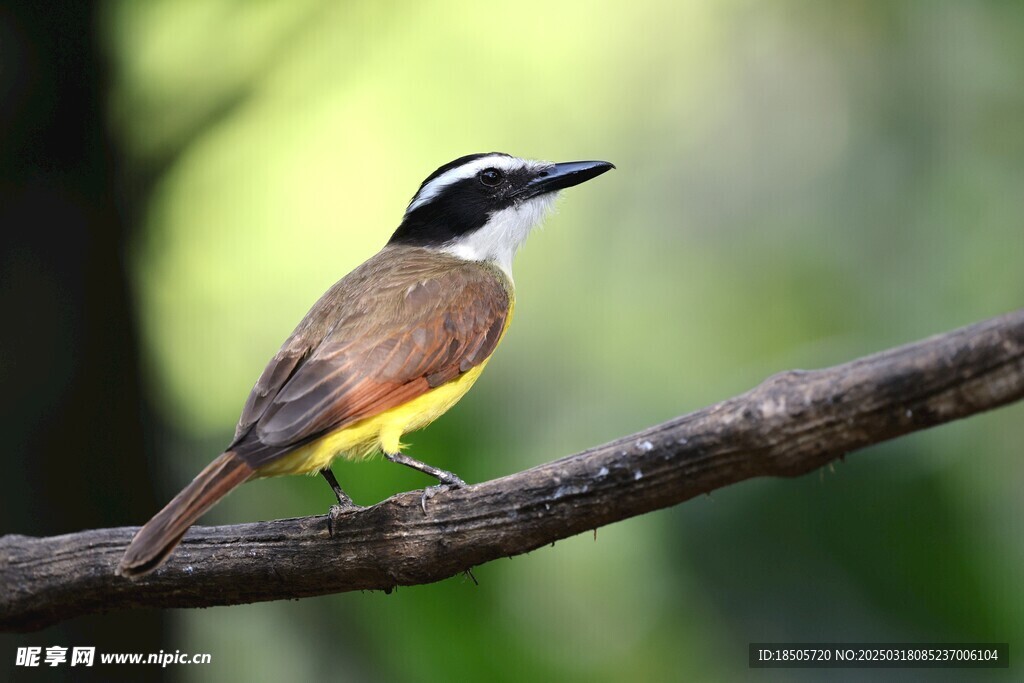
x=390 y=347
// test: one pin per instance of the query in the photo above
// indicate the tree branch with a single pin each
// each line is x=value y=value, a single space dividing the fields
x=792 y=423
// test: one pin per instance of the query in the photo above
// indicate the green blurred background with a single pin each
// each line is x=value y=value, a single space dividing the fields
x=799 y=183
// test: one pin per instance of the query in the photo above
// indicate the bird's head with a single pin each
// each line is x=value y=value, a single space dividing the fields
x=481 y=207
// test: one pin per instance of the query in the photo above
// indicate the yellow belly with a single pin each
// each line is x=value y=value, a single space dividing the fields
x=381 y=432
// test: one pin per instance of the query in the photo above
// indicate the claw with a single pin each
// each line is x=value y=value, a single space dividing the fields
x=430 y=492
x=337 y=511
x=450 y=483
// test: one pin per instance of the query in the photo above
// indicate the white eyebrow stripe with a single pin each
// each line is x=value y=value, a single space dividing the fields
x=467 y=170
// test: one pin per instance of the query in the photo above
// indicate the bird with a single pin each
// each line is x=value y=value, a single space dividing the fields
x=389 y=348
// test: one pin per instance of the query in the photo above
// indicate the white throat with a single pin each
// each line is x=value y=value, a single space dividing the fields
x=499 y=239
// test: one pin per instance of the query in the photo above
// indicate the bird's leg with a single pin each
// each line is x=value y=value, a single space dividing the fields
x=343 y=499
x=447 y=479
x=441 y=475
x=345 y=504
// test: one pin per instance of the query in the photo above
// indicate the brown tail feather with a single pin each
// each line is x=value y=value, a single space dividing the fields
x=154 y=542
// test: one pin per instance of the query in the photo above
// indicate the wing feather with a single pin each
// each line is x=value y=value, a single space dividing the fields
x=366 y=347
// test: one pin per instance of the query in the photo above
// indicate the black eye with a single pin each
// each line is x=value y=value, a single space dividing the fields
x=490 y=177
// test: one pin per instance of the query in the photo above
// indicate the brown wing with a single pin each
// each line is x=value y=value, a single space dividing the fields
x=277 y=372
x=406 y=321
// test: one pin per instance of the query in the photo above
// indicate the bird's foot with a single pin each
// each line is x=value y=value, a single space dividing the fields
x=338 y=511
x=448 y=481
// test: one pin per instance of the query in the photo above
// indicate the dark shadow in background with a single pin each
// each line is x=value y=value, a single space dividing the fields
x=72 y=409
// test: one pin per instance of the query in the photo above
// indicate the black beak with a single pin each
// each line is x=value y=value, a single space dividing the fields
x=561 y=176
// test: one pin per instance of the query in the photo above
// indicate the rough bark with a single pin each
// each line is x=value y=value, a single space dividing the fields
x=792 y=423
